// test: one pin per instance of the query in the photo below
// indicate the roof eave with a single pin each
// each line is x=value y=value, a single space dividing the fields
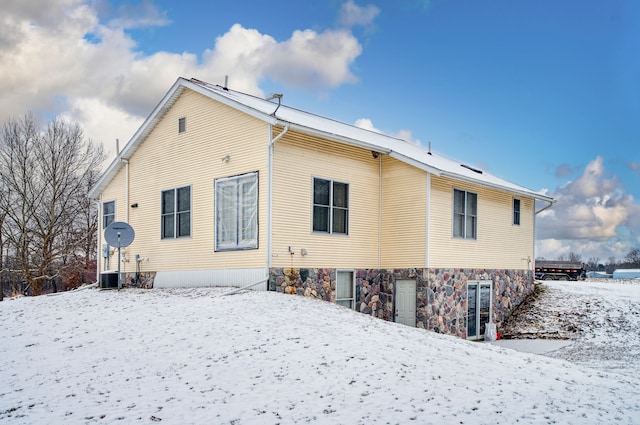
x=156 y=115
x=523 y=192
x=138 y=137
x=332 y=136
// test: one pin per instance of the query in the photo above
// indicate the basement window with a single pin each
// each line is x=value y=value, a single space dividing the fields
x=345 y=288
x=182 y=125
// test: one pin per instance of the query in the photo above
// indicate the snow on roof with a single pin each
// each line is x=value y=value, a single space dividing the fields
x=308 y=123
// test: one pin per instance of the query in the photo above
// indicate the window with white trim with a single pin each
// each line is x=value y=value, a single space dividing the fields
x=176 y=213
x=330 y=206
x=516 y=211
x=465 y=214
x=236 y=212
x=108 y=213
x=345 y=288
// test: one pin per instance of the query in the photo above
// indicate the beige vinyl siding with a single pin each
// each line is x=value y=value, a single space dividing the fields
x=114 y=192
x=404 y=209
x=168 y=159
x=298 y=158
x=499 y=243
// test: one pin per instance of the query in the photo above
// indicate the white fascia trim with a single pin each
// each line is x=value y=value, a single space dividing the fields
x=333 y=137
x=211 y=93
x=418 y=164
x=143 y=131
x=428 y=224
x=497 y=186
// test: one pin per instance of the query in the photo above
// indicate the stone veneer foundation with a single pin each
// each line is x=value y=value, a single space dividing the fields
x=441 y=294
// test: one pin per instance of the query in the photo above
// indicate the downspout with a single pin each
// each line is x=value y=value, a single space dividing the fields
x=379 y=210
x=272 y=141
x=428 y=223
x=126 y=189
x=99 y=259
x=535 y=213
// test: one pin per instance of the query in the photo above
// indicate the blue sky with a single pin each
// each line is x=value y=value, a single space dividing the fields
x=543 y=93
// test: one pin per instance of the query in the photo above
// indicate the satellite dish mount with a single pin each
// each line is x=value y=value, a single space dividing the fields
x=119 y=234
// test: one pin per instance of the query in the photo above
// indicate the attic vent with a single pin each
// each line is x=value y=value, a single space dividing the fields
x=182 y=125
x=468 y=167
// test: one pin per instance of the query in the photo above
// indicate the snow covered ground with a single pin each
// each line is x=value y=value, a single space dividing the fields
x=600 y=320
x=193 y=356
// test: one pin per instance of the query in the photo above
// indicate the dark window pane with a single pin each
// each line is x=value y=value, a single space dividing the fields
x=458 y=201
x=472 y=302
x=340 y=195
x=320 y=219
x=339 y=220
x=167 y=201
x=108 y=213
x=472 y=204
x=471 y=228
x=458 y=225
x=184 y=199
x=485 y=307
x=321 y=192
x=167 y=226
x=184 y=224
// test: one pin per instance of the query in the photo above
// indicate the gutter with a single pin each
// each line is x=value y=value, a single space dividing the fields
x=333 y=136
x=126 y=189
x=528 y=194
x=551 y=202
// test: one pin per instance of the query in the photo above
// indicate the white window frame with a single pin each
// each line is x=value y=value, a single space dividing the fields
x=104 y=215
x=479 y=284
x=516 y=214
x=466 y=233
x=331 y=207
x=239 y=212
x=176 y=214
x=351 y=300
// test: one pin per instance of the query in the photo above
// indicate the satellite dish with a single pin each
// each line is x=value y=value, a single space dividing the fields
x=119 y=234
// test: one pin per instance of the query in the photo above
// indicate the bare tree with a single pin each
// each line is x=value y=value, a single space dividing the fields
x=574 y=257
x=611 y=265
x=593 y=264
x=46 y=173
x=3 y=214
x=633 y=258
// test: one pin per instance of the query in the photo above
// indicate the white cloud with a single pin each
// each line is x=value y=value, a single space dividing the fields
x=351 y=14
x=405 y=135
x=593 y=216
x=140 y=15
x=102 y=122
x=367 y=124
x=73 y=58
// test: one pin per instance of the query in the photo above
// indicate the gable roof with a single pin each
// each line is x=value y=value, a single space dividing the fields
x=308 y=123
